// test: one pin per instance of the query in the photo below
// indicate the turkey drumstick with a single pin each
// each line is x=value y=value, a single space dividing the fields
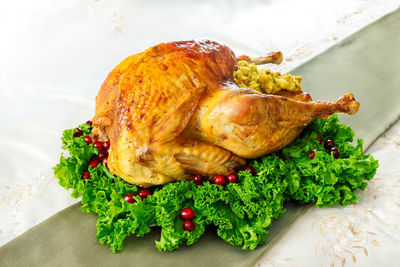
x=274 y=58
x=252 y=125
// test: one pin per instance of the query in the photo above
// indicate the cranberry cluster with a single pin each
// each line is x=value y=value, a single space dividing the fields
x=143 y=193
x=233 y=178
x=79 y=132
x=329 y=146
x=102 y=148
x=187 y=214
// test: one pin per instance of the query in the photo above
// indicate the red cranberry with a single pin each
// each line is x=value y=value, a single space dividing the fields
x=198 y=179
x=98 y=145
x=79 y=132
x=250 y=169
x=187 y=214
x=281 y=157
x=329 y=144
x=104 y=161
x=335 y=152
x=311 y=154
x=232 y=178
x=319 y=139
x=86 y=175
x=129 y=198
x=102 y=155
x=219 y=180
x=87 y=139
x=188 y=225
x=89 y=123
x=94 y=163
x=144 y=193
x=106 y=145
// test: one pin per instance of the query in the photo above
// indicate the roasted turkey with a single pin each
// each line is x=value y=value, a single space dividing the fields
x=175 y=109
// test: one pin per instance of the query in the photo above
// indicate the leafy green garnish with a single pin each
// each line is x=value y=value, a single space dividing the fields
x=241 y=212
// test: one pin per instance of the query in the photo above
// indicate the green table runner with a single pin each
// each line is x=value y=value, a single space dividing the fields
x=366 y=64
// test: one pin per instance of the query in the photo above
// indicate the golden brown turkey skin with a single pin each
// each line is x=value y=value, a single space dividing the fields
x=174 y=110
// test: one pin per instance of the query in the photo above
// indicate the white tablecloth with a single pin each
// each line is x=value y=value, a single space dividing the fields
x=55 y=55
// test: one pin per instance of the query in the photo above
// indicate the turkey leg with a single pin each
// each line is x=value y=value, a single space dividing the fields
x=273 y=57
x=251 y=125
